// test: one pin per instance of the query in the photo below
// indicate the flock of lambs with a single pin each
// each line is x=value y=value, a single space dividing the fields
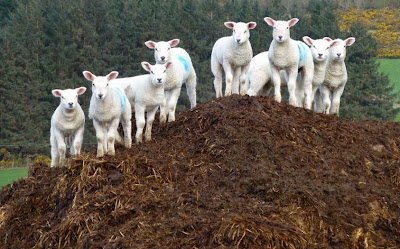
x=315 y=75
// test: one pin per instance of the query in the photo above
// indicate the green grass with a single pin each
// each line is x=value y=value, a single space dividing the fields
x=391 y=67
x=8 y=176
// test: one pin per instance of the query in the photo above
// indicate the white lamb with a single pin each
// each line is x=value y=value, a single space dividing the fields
x=258 y=80
x=291 y=56
x=179 y=72
x=108 y=107
x=146 y=94
x=336 y=76
x=232 y=54
x=67 y=125
x=320 y=52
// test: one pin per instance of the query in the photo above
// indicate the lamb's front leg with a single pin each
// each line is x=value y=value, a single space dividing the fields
x=291 y=84
x=172 y=101
x=140 y=122
x=77 y=142
x=235 y=80
x=163 y=110
x=276 y=80
x=55 y=157
x=100 y=138
x=149 y=123
x=336 y=100
x=228 y=79
x=243 y=76
x=111 y=134
x=326 y=99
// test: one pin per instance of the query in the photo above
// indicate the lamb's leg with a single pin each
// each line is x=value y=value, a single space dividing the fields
x=100 y=138
x=127 y=126
x=243 y=76
x=228 y=79
x=291 y=84
x=308 y=87
x=77 y=141
x=62 y=147
x=336 y=100
x=149 y=123
x=318 y=105
x=140 y=122
x=216 y=69
x=235 y=80
x=112 y=132
x=163 y=109
x=276 y=80
x=191 y=88
x=54 y=151
x=326 y=99
x=172 y=102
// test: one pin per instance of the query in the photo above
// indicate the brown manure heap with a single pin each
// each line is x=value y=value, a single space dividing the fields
x=237 y=172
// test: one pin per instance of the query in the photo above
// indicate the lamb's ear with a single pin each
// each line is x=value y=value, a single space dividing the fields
x=112 y=75
x=88 y=75
x=80 y=90
x=174 y=42
x=251 y=25
x=293 y=22
x=308 y=40
x=349 y=41
x=229 y=25
x=269 y=21
x=56 y=92
x=168 y=64
x=146 y=66
x=327 y=39
x=150 y=44
x=334 y=42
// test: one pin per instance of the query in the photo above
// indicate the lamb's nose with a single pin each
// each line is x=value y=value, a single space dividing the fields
x=159 y=80
x=320 y=55
x=238 y=40
x=100 y=96
x=339 y=54
x=162 y=57
x=280 y=37
x=70 y=104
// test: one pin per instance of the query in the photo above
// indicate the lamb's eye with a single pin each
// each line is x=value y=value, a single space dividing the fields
x=165 y=70
x=169 y=48
x=156 y=49
x=327 y=48
x=287 y=27
x=62 y=97
x=92 y=84
x=151 y=72
x=234 y=31
x=245 y=31
x=107 y=84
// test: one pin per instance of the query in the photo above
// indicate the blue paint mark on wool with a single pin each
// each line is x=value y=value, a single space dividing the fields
x=184 y=62
x=302 y=51
x=121 y=96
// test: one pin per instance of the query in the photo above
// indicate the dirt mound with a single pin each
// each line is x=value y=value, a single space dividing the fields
x=237 y=172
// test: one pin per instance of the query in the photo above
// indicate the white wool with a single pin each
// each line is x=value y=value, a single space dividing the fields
x=336 y=76
x=108 y=107
x=180 y=72
x=232 y=54
x=67 y=125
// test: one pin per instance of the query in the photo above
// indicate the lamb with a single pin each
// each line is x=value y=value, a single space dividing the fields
x=146 y=94
x=179 y=72
x=291 y=56
x=258 y=80
x=67 y=125
x=336 y=76
x=232 y=54
x=108 y=107
x=320 y=52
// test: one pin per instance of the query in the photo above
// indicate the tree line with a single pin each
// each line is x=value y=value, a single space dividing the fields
x=46 y=44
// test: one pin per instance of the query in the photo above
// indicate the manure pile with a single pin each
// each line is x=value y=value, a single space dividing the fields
x=236 y=172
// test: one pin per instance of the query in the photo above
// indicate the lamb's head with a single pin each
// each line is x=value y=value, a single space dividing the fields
x=338 y=48
x=69 y=97
x=281 y=31
x=319 y=48
x=100 y=84
x=162 y=49
x=157 y=72
x=240 y=30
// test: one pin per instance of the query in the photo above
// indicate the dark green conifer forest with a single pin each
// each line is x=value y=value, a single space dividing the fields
x=46 y=44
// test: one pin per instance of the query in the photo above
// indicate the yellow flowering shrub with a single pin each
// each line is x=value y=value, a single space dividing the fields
x=384 y=25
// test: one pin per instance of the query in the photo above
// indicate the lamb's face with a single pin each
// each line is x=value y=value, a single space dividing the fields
x=158 y=74
x=240 y=33
x=338 y=48
x=100 y=87
x=320 y=49
x=69 y=97
x=100 y=84
x=162 y=52
x=281 y=31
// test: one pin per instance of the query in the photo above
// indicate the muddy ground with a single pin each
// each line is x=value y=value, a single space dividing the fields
x=237 y=172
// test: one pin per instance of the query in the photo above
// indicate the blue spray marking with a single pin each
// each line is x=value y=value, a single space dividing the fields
x=184 y=62
x=121 y=96
x=302 y=50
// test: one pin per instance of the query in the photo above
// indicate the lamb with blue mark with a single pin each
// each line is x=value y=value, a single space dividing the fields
x=286 y=54
x=180 y=72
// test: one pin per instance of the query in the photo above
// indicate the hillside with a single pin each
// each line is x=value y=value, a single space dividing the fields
x=236 y=172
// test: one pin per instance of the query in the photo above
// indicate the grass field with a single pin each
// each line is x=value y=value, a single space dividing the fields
x=391 y=67
x=7 y=176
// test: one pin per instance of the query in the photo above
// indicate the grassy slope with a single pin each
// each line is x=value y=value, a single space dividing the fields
x=7 y=176
x=391 y=67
